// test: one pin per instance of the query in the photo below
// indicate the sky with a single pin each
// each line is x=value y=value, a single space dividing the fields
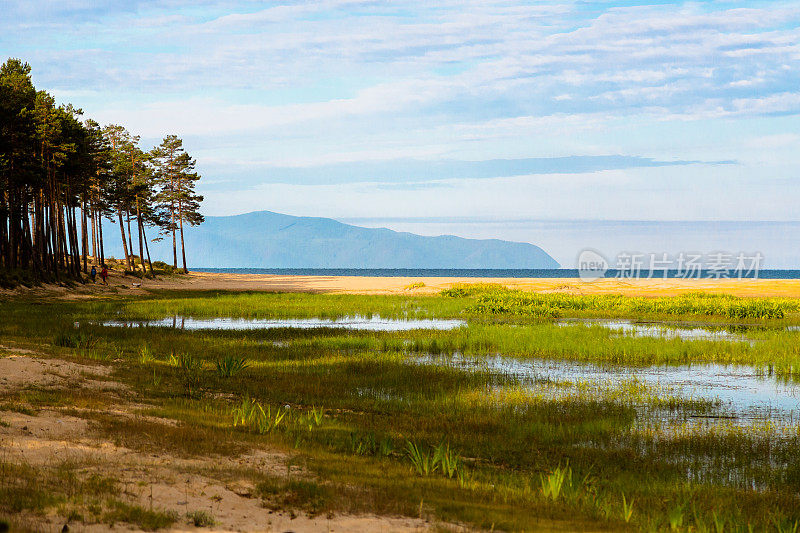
x=489 y=109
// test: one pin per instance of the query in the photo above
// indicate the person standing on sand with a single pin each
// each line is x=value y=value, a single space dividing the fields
x=93 y=274
x=104 y=274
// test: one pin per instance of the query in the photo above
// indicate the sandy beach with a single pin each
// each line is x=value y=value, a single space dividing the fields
x=204 y=281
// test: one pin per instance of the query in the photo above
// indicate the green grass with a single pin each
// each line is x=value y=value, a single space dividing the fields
x=281 y=305
x=147 y=519
x=500 y=452
x=502 y=301
x=65 y=484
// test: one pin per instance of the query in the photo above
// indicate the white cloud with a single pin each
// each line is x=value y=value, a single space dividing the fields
x=634 y=194
x=304 y=83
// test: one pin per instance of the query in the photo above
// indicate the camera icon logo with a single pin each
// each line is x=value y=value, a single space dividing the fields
x=591 y=265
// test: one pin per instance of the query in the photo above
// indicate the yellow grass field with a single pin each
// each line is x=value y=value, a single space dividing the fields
x=395 y=285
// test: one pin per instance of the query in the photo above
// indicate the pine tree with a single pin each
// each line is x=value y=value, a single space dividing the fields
x=120 y=186
x=17 y=161
x=176 y=196
x=58 y=172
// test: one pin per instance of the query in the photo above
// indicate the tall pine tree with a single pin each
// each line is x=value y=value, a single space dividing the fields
x=176 y=178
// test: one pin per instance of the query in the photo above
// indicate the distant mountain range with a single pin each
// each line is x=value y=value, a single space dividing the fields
x=264 y=239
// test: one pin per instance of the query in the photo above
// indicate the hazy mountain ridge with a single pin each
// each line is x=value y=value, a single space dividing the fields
x=273 y=240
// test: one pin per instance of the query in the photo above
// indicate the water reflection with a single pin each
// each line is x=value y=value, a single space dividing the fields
x=745 y=394
x=374 y=323
x=664 y=331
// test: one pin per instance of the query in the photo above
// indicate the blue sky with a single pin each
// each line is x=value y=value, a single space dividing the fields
x=496 y=109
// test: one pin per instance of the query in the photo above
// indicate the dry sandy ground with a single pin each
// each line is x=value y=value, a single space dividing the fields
x=402 y=285
x=52 y=437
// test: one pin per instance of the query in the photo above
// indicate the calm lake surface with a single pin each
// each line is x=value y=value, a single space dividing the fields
x=456 y=272
x=374 y=323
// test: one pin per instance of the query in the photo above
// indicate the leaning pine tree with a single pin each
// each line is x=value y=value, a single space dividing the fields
x=176 y=178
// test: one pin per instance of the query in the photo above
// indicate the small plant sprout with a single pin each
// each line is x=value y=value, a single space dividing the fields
x=229 y=366
x=253 y=416
x=424 y=462
x=786 y=527
x=449 y=461
x=718 y=521
x=242 y=415
x=318 y=415
x=191 y=369
x=675 y=517
x=386 y=447
x=556 y=481
x=363 y=444
x=627 y=508
x=201 y=518
x=146 y=355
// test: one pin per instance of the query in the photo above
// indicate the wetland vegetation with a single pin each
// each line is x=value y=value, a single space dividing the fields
x=479 y=424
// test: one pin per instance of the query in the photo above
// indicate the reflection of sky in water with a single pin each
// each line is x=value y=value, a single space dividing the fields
x=665 y=331
x=374 y=323
x=743 y=392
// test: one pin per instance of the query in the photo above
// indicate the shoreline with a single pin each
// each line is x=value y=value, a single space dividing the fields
x=409 y=285
x=432 y=285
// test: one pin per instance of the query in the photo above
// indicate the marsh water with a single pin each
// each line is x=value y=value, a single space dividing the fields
x=663 y=330
x=745 y=394
x=377 y=323
x=373 y=323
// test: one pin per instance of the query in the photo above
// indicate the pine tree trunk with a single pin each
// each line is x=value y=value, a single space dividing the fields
x=76 y=242
x=124 y=241
x=55 y=223
x=26 y=232
x=3 y=232
x=94 y=234
x=72 y=241
x=100 y=238
x=39 y=258
x=69 y=241
x=47 y=240
x=147 y=251
x=141 y=244
x=183 y=249
x=130 y=239
x=12 y=231
x=174 y=243
x=84 y=235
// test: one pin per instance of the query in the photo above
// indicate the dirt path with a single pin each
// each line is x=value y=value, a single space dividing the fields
x=50 y=439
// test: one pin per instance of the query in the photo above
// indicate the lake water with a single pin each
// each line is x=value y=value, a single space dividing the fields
x=374 y=323
x=457 y=272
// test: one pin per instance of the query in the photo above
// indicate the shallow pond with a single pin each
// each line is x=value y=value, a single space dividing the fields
x=746 y=394
x=664 y=331
x=374 y=323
